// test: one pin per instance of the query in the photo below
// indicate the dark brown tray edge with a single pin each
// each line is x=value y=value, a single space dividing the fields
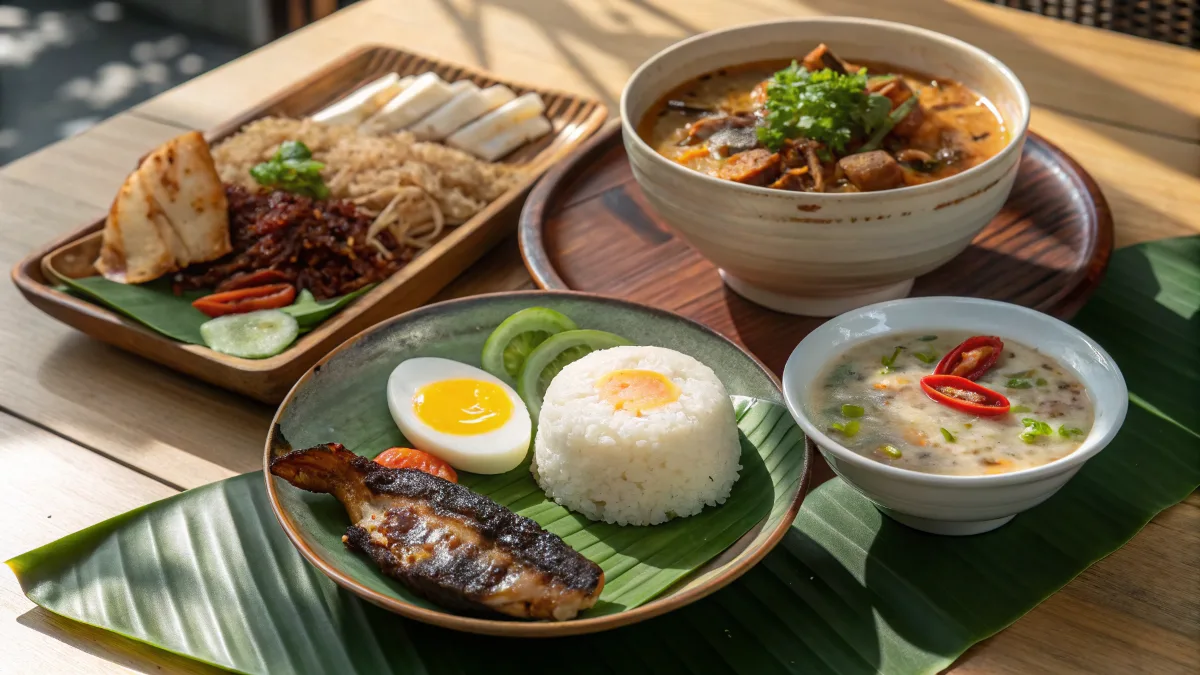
x=545 y=196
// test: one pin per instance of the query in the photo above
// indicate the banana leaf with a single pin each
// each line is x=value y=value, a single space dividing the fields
x=156 y=307
x=208 y=574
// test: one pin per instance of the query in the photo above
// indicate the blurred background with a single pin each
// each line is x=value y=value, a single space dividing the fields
x=67 y=64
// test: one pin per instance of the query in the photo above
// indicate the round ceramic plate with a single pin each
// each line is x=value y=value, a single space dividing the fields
x=648 y=570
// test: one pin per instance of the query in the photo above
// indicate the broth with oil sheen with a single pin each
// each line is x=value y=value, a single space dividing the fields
x=930 y=437
x=958 y=120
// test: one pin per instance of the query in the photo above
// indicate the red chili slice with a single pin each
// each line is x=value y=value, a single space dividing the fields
x=964 y=395
x=255 y=278
x=246 y=300
x=974 y=357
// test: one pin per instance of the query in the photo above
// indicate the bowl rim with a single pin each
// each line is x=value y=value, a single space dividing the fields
x=1118 y=401
x=514 y=628
x=629 y=125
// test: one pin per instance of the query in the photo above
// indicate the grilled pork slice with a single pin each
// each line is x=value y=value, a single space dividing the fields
x=171 y=212
x=445 y=542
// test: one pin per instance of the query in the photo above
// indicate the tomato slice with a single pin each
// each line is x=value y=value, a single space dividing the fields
x=974 y=357
x=964 y=395
x=246 y=300
x=255 y=278
x=410 y=458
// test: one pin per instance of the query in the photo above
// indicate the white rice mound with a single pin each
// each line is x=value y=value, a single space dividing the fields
x=614 y=466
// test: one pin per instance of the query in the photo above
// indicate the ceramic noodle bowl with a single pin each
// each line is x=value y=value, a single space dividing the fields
x=822 y=254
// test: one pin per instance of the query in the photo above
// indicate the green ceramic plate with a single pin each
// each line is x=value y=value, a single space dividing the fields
x=648 y=570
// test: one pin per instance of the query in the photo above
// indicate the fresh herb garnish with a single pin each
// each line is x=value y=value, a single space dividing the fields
x=292 y=169
x=1019 y=409
x=1033 y=429
x=1068 y=432
x=824 y=106
x=1024 y=374
x=927 y=338
x=1041 y=382
x=889 y=122
x=848 y=429
x=947 y=435
x=891 y=451
x=849 y=410
x=1016 y=383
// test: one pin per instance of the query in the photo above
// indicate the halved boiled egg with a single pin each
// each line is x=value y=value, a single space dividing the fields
x=462 y=414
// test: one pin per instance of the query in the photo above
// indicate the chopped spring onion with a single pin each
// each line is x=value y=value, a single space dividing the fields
x=1068 y=432
x=889 y=361
x=891 y=451
x=926 y=357
x=1022 y=375
x=947 y=435
x=1016 y=383
x=1033 y=429
x=1041 y=382
x=849 y=429
x=927 y=338
x=1019 y=409
x=852 y=410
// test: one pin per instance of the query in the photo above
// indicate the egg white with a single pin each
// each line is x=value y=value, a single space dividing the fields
x=493 y=452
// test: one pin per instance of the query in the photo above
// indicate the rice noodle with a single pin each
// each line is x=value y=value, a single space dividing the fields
x=412 y=189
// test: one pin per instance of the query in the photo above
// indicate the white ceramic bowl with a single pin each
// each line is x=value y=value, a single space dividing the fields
x=956 y=504
x=823 y=254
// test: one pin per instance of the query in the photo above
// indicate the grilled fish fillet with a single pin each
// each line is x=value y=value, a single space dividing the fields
x=171 y=212
x=451 y=545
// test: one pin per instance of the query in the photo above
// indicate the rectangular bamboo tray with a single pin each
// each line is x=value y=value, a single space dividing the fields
x=574 y=119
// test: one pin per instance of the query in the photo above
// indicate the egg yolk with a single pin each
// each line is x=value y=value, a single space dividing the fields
x=463 y=407
x=637 y=391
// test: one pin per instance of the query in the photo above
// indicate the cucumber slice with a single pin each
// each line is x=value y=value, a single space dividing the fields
x=551 y=356
x=508 y=346
x=254 y=335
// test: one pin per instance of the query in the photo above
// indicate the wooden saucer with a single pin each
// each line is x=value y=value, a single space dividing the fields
x=587 y=227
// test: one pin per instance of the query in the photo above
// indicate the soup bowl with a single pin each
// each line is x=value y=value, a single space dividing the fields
x=821 y=254
x=944 y=504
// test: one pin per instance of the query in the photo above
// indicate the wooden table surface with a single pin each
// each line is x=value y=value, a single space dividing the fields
x=87 y=432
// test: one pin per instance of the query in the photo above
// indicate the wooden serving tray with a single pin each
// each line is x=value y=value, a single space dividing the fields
x=574 y=119
x=587 y=227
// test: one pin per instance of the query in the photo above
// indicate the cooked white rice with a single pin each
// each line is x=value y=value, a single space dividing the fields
x=616 y=466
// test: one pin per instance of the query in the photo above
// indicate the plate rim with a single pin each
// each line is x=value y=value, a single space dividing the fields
x=508 y=628
x=531 y=232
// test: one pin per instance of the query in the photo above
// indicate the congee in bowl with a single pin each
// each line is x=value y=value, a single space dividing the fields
x=952 y=403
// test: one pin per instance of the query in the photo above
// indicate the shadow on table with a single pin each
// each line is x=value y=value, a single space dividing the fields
x=185 y=414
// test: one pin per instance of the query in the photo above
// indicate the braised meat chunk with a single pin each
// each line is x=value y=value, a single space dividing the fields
x=872 y=171
x=753 y=167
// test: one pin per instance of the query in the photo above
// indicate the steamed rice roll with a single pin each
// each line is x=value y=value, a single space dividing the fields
x=504 y=129
x=465 y=107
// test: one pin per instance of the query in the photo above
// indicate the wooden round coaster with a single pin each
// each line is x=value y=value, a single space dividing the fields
x=587 y=227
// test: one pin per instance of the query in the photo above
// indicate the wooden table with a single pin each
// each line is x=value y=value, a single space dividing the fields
x=87 y=432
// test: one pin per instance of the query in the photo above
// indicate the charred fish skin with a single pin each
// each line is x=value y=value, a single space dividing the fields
x=445 y=542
